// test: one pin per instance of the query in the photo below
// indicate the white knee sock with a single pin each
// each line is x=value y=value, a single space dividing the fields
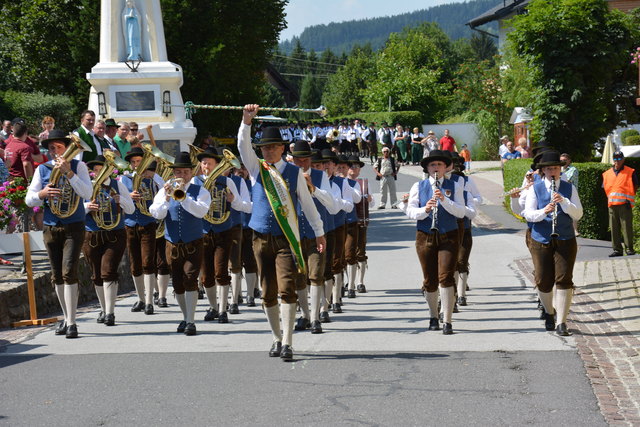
x=328 y=288
x=163 y=285
x=183 y=305
x=252 y=281
x=236 y=287
x=337 y=288
x=546 y=298
x=563 y=304
x=352 y=269
x=100 y=294
x=316 y=295
x=71 y=301
x=462 y=284
x=273 y=316
x=212 y=296
x=288 y=320
x=448 y=298
x=110 y=295
x=362 y=268
x=63 y=305
x=432 y=302
x=191 y=302
x=149 y=286
x=303 y=301
x=138 y=282
x=224 y=296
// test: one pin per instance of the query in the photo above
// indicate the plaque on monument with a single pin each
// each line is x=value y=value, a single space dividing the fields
x=135 y=101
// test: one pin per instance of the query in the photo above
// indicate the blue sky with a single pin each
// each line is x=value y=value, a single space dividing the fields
x=304 y=13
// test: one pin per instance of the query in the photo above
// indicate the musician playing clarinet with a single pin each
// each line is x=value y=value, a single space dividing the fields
x=551 y=208
x=436 y=203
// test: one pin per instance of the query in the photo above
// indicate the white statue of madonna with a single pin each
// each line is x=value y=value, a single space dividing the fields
x=132 y=31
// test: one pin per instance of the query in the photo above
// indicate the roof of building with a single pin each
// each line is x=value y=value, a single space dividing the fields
x=505 y=8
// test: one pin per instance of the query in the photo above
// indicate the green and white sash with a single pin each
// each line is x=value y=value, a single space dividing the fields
x=283 y=209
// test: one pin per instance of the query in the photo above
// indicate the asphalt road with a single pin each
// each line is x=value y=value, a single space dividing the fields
x=376 y=364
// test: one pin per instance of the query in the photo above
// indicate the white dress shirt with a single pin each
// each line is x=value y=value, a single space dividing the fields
x=238 y=201
x=197 y=208
x=126 y=202
x=416 y=212
x=80 y=182
x=571 y=207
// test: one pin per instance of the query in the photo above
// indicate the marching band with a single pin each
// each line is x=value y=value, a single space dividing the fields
x=297 y=229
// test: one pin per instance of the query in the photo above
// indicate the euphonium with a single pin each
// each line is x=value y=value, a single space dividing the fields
x=66 y=204
x=177 y=189
x=218 y=210
x=163 y=169
x=333 y=135
x=105 y=217
x=137 y=183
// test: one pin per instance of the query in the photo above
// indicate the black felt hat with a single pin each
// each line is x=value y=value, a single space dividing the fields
x=56 y=135
x=354 y=160
x=111 y=122
x=329 y=155
x=301 y=149
x=209 y=153
x=342 y=159
x=270 y=135
x=316 y=157
x=183 y=160
x=436 y=156
x=135 y=151
x=550 y=158
x=541 y=146
x=99 y=160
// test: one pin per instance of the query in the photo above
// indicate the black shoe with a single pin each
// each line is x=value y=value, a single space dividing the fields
x=181 y=327
x=380 y=207
x=100 y=318
x=251 y=302
x=434 y=324
x=316 y=327
x=110 y=319
x=62 y=328
x=549 y=321
x=562 y=330
x=336 y=308
x=462 y=301
x=455 y=307
x=72 y=331
x=302 y=323
x=233 y=309
x=223 y=318
x=211 y=315
x=468 y=288
x=257 y=293
x=240 y=299
x=276 y=348
x=286 y=354
x=162 y=302
x=324 y=317
x=155 y=298
x=631 y=252
x=148 y=309
x=447 y=329
x=138 y=306
x=361 y=289
x=190 y=329
x=343 y=291
x=200 y=293
x=352 y=293
x=615 y=253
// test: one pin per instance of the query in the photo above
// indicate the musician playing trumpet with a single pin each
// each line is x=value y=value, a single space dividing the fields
x=435 y=203
x=63 y=232
x=105 y=239
x=551 y=207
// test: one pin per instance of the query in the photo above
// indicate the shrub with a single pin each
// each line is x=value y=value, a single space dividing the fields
x=627 y=133
x=34 y=106
x=512 y=175
x=631 y=140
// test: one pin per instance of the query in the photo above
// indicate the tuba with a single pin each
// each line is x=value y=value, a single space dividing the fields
x=105 y=218
x=139 y=185
x=66 y=204
x=333 y=135
x=218 y=210
x=193 y=155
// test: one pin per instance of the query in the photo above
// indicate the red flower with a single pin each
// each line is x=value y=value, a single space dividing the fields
x=21 y=188
x=12 y=190
x=3 y=194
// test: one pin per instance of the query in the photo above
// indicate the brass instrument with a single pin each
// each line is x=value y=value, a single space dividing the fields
x=177 y=189
x=193 y=155
x=554 y=214
x=333 y=135
x=137 y=182
x=218 y=210
x=105 y=217
x=434 y=218
x=163 y=169
x=66 y=204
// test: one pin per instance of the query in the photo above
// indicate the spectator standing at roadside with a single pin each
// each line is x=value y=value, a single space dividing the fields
x=503 y=145
x=510 y=154
x=5 y=133
x=48 y=123
x=466 y=155
x=429 y=144
x=447 y=142
x=416 y=146
x=121 y=138
x=523 y=149
x=19 y=152
x=570 y=171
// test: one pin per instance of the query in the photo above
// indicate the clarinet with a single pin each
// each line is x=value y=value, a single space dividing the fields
x=434 y=218
x=554 y=214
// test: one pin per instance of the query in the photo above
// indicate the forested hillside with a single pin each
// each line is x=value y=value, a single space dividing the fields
x=341 y=37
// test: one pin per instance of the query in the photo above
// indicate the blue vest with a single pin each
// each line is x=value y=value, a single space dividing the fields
x=236 y=216
x=466 y=219
x=446 y=221
x=262 y=218
x=90 y=223
x=340 y=218
x=137 y=218
x=306 y=231
x=353 y=215
x=49 y=217
x=246 y=217
x=541 y=231
x=180 y=225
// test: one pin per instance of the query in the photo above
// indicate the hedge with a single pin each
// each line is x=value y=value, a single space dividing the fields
x=33 y=106
x=627 y=133
x=595 y=219
x=631 y=140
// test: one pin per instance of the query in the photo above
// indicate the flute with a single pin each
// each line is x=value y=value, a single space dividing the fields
x=516 y=190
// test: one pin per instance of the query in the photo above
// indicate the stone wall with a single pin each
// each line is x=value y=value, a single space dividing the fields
x=14 y=299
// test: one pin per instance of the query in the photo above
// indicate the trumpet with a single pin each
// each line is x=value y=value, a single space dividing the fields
x=177 y=189
x=434 y=218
